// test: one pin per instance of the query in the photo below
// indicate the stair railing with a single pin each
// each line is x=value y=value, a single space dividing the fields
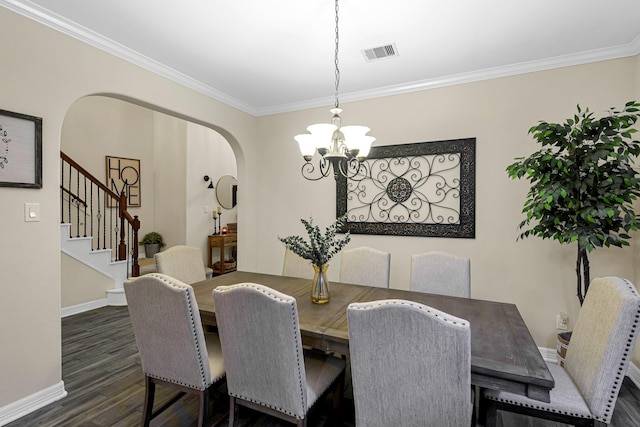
x=93 y=210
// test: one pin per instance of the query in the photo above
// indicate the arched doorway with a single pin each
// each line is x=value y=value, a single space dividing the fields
x=175 y=154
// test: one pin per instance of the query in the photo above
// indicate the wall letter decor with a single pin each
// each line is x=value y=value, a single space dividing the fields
x=421 y=189
x=20 y=150
x=124 y=175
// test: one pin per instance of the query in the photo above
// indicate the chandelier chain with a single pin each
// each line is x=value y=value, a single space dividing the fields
x=340 y=152
x=337 y=104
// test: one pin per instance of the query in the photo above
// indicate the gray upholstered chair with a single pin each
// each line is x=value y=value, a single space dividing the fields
x=441 y=273
x=296 y=266
x=365 y=266
x=410 y=365
x=597 y=358
x=183 y=263
x=267 y=369
x=173 y=348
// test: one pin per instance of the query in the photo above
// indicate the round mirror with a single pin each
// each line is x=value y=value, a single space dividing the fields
x=227 y=191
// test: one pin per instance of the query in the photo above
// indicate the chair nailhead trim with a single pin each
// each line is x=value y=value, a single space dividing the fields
x=624 y=362
x=184 y=287
x=538 y=407
x=411 y=304
x=284 y=411
x=616 y=384
x=296 y=329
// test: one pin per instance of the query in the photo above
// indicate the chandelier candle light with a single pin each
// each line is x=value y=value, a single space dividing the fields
x=340 y=147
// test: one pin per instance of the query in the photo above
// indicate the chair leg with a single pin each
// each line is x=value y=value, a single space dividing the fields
x=302 y=422
x=338 y=392
x=233 y=412
x=487 y=412
x=475 y=391
x=149 y=393
x=204 y=407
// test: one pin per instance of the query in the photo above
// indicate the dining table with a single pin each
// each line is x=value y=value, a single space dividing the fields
x=504 y=355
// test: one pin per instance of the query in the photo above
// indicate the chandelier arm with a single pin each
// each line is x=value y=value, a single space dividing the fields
x=349 y=168
x=353 y=167
x=362 y=171
x=325 y=167
x=308 y=170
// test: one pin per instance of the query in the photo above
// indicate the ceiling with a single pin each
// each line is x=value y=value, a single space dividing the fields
x=265 y=57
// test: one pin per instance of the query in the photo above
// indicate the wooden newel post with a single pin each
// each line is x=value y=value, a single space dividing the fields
x=135 y=267
x=122 y=246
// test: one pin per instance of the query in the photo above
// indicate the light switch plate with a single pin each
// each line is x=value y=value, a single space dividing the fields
x=32 y=212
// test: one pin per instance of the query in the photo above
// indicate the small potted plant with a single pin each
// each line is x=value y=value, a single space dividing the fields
x=152 y=242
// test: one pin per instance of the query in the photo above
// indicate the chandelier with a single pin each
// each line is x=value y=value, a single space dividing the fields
x=342 y=148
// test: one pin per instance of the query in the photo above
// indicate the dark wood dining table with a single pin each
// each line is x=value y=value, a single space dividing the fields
x=504 y=356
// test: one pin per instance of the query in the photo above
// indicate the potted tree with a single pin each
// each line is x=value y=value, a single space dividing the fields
x=582 y=183
x=152 y=242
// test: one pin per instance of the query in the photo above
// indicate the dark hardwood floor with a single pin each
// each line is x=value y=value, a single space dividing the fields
x=102 y=375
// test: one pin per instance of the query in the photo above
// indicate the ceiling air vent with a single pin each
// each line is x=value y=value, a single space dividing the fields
x=381 y=52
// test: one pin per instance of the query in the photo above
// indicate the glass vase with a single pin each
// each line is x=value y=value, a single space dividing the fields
x=320 y=285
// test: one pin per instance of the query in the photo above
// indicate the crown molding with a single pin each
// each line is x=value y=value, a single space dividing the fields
x=72 y=29
x=621 y=51
x=59 y=23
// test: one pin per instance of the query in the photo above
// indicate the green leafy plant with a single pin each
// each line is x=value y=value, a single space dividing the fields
x=582 y=183
x=321 y=247
x=152 y=238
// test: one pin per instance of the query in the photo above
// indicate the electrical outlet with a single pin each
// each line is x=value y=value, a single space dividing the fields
x=562 y=321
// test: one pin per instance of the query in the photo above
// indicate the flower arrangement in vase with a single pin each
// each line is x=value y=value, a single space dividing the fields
x=320 y=248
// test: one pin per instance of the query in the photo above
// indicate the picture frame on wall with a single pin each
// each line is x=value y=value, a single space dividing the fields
x=422 y=189
x=20 y=150
x=123 y=175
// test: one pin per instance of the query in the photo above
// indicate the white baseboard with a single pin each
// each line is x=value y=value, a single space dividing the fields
x=81 y=308
x=116 y=297
x=551 y=355
x=26 y=405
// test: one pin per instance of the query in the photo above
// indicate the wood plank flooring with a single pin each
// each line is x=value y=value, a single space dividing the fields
x=102 y=375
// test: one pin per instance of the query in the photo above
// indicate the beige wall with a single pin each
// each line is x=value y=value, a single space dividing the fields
x=80 y=283
x=169 y=175
x=538 y=276
x=43 y=74
x=208 y=153
x=99 y=126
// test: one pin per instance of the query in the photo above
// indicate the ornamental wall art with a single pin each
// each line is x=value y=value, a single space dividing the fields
x=20 y=150
x=420 y=189
x=123 y=175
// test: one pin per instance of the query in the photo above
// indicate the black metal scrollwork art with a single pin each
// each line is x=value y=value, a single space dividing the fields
x=421 y=189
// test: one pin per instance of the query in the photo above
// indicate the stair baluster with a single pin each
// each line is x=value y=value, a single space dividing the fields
x=85 y=199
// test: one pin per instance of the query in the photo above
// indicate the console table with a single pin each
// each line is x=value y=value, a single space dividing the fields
x=222 y=241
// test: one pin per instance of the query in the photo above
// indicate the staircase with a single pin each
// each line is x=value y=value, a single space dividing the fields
x=81 y=249
x=95 y=227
